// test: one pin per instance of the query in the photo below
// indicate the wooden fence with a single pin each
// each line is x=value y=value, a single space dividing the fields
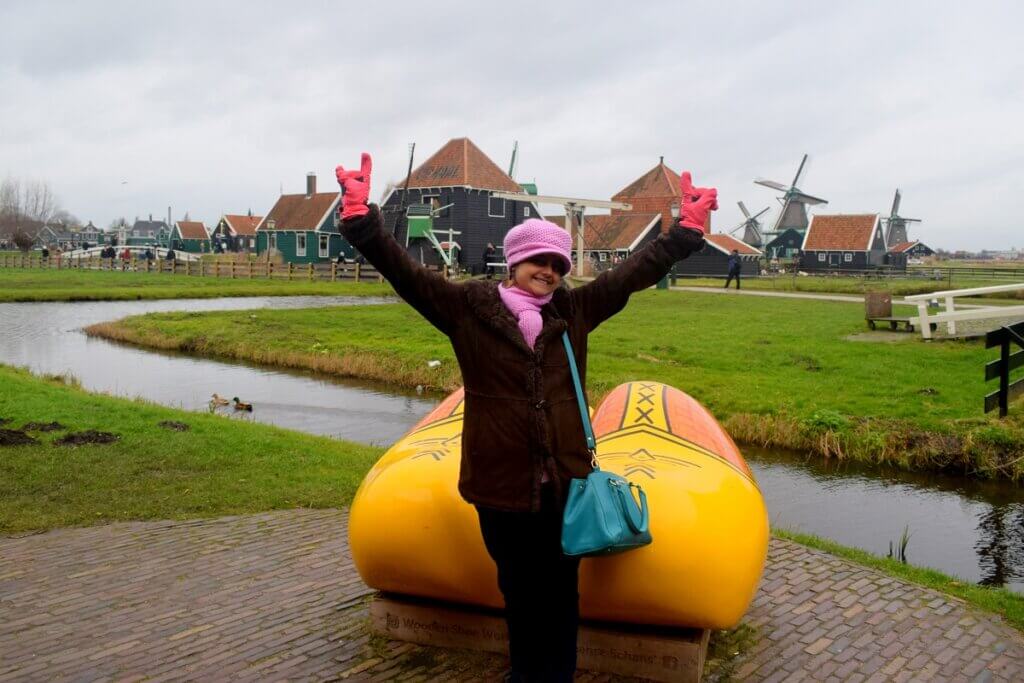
x=333 y=272
x=1001 y=367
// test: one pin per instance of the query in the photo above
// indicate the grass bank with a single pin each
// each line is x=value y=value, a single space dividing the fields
x=94 y=285
x=797 y=374
x=999 y=600
x=857 y=285
x=164 y=463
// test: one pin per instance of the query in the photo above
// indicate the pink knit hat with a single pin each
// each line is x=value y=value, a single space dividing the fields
x=535 y=236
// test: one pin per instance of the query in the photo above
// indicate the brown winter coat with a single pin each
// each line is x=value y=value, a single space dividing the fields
x=521 y=418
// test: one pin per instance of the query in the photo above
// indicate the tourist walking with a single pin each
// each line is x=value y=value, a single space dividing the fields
x=522 y=436
x=735 y=267
x=490 y=253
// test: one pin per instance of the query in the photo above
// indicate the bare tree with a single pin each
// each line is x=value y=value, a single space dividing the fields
x=25 y=206
x=23 y=240
x=66 y=218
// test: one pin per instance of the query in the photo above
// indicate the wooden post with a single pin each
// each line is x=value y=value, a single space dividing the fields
x=232 y=270
x=311 y=272
x=250 y=270
x=357 y=271
x=334 y=271
x=270 y=270
x=1004 y=375
x=950 y=306
x=291 y=269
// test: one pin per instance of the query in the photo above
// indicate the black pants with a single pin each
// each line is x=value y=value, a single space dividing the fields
x=540 y=586
x=729 y=279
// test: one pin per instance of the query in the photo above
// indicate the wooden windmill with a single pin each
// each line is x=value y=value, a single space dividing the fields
x=794 y=204
x=896 y=225
x=753 y=234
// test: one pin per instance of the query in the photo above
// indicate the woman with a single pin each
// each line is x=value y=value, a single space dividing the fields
x=522 y=438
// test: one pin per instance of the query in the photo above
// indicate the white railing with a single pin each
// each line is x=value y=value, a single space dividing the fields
x=951 y=316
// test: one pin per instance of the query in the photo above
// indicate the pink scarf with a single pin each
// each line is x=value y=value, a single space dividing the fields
x=526 y=308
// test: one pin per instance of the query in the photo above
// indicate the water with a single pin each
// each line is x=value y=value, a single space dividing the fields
x=972 y=529
x=969 y=528
x=47 y=338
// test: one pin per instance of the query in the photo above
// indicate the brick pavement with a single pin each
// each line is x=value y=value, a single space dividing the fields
x=275 y=596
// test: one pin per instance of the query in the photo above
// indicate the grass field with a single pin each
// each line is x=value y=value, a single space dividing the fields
x=802 y=374
x=219 y=466
x=856 y=285
x=94 y=285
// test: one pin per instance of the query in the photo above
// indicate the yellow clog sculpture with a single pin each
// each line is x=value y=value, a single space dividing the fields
x=410 y=532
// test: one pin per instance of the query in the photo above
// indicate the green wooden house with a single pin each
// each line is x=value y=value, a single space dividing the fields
x=303 y=228
x=190 y=236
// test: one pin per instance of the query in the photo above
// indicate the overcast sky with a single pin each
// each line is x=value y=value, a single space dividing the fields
x=126 y=108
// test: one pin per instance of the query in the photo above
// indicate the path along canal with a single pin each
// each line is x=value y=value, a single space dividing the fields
x=969 y=528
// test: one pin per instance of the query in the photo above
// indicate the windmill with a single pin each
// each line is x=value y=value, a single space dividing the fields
x=794 y=203
x=896 y=225
x=752 y=232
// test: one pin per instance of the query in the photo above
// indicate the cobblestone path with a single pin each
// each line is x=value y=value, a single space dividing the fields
x=275 y=596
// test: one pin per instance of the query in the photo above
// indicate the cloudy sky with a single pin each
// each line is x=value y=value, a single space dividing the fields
x=126 y=108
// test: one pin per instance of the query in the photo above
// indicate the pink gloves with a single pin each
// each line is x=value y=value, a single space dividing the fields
x=696 y=204
x=355 y=189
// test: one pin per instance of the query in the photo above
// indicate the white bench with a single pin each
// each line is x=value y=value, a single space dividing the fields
x=950 y=316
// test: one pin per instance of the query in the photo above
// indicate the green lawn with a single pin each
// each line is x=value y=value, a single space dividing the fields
x=92 y=285
x=798 y=373
x=219 y=466
x=855 y=285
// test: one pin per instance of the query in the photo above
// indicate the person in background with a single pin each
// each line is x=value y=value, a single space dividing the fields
x=735 y=266
x=489 y=255
x=522 y=436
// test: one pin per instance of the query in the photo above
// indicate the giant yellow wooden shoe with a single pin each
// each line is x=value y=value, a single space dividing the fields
x=411 y=533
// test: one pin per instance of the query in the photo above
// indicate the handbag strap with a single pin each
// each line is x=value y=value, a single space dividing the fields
x=581 y=401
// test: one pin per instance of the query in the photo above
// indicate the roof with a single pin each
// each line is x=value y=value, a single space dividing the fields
x=242 y=224
x=660 y=181
x=460 y=163
x=902 y=247
x=299 y=211
x=727 y=243
x=841 y=232
x=192 y=230
x=147 y=228
x=609 y=233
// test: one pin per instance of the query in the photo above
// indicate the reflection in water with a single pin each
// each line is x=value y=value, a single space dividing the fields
x=969 y=528
x=1000 y=545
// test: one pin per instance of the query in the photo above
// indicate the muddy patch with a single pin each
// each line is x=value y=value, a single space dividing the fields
x=89 y=436
x=43 y=427
x=4 y=420
x=174 y=426
x=15 y=437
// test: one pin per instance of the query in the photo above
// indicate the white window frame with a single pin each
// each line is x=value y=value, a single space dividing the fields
x=324 y=246
x=847 y=257
x=271 y=240
x=526 y=212
x=822 y=256
x=300 y=251
x=602 y=256
x=495 y=215
x=252 y=242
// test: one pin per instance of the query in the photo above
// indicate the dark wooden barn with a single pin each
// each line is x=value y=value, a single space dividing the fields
x=457 y=182
x=713 y=259
x=235 y=232
x=841 y=242
x=785 y=245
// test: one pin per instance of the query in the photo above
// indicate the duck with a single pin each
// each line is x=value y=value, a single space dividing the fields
x=239 y=405
x=218 y=401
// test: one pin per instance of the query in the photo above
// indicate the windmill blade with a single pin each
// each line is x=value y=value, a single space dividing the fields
x=743 y=208
x=771 y=183
x=909 y=220
x=760 y=213
x=808 y=199
x=800 y=170
x=895 y=204
x=738 y=228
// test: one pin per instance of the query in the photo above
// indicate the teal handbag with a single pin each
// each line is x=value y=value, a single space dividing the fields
x=601 y=516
